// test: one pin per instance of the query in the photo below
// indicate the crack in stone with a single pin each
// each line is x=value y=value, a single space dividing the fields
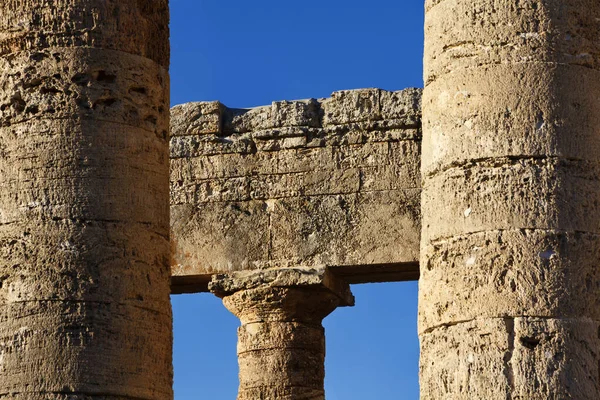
x=465 y=235
x=499 y=161
x=508 y=368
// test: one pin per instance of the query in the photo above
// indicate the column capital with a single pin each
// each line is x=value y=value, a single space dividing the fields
x=281 y=342
x=317 y=278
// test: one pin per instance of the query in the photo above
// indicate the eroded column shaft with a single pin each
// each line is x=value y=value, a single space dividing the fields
x=509 y=290
x=84 y=291
x=281 y=341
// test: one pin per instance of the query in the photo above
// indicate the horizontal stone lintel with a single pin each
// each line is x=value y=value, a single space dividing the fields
x=350 y=274
x=323 y=182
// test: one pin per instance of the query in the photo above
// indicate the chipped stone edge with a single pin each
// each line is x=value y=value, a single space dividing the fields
x=318 y=277
x=342 y=108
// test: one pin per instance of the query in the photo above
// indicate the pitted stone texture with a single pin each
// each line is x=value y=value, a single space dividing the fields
x=502 y=193
x=481 y=114
x=75 y=83
x=466 y=361
x=520 y=358
x=84 y=223
x=281 y=342
x=197 y=118
x=61 y=247
x=132 y=26
x=549 y=353
x=466 y=272
x=510 y=217
x=479 y=33
x=313 y=182
x=84 y=339
x=98 y=173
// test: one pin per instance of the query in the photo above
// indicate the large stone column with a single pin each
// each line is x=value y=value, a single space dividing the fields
x=510 y=255
x=84 y=202
x=281 y=342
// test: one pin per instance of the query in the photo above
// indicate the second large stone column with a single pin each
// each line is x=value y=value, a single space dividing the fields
x=510 y=284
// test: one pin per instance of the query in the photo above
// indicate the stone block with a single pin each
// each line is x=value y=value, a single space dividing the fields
x=197 y=118
x=39 y=179
x=219 y=237
x=296 y=367
x=67 y=331
x=466 y=360
x=365 y=228
x=56 y=249
x=210 y=145
x=476 y=34
x=522 y=357
x=253 y=337
x=296 y=113
x=290 y=161
x=481 y=114
x=513 y=272
x=404 y=105
x=239 y=120
x=546 y=193
x=307 y=192
x=348 y=106
x=305 y=184
x=555 y=358
x=84 y=84
x=138 y=30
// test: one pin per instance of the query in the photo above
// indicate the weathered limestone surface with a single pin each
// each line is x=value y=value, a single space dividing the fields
x=84 y=223
x=317 y=182
x=511 y=223
x=281 y=342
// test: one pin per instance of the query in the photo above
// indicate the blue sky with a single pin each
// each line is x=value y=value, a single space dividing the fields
x=249 y=53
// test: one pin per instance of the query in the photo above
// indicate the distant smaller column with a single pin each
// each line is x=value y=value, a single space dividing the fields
x=281 y=342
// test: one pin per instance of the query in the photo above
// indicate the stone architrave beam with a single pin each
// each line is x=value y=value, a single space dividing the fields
x=315 y=182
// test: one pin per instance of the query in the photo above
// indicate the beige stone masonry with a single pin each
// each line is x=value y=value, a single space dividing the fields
x=331 y=181
x=84 y=212
x=281 y=342
x=508 y=299
x=491 y=196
